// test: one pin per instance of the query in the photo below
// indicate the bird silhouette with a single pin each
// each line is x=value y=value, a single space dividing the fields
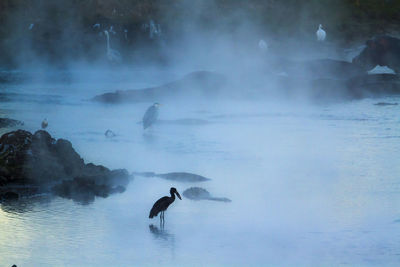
x=162 y=205
x=321 y=34
x=150 y=116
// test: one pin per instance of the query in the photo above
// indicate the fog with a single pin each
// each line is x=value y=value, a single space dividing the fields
x=312 y=176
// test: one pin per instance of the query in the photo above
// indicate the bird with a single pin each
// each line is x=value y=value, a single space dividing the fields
x=263 y=45
x=321 y=34
x=163 y=203
x=44 y=124
x=150 y=116
x=112 y=54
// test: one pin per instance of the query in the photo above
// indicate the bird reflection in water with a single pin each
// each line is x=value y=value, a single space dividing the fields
x=160 y=232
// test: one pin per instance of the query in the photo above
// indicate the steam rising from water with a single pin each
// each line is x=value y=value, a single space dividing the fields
x=309 y=183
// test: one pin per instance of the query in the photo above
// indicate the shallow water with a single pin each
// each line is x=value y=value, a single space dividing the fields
x=311 y=184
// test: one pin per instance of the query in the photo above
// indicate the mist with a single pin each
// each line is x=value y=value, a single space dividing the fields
x=290 y=129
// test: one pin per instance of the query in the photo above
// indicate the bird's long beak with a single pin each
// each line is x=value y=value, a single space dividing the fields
x=179 y=196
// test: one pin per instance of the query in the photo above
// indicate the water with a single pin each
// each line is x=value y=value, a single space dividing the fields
x=310 y=184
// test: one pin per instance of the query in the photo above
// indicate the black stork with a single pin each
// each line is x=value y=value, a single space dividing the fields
x=151 y=115
x=163 y=203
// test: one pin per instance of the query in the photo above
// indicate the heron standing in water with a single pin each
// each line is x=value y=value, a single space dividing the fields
x=162 y=205
x=321 y=34
x=150 y=116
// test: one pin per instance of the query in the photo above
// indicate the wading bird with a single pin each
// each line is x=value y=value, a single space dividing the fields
x=162 y=204
x=150 y=116
x=321 y=34
x=112 y=54
x=263 y=45
x=44 y=124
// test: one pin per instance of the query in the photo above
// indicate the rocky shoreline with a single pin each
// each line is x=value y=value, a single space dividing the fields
x=37 y=163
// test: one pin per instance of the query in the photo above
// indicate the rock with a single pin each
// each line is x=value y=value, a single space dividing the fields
x=5 y=122
x=383 y=51
x=385 y=104
x=201 y=83
x=321 y=69
x=40 y=160
x=183 y=177
x=198 y=193
x=176 y=176
x=109 y=134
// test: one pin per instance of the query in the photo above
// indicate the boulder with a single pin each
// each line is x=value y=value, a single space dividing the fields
x=198 y=193
x=200 y=83
x=381 y=50
x=38 y=160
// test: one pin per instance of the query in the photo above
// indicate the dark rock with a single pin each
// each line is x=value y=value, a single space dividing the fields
x=383 y=51
x=385 y=104
x=109 y=134
x=321 y=69
x=183 y=177
x=201 y=83
x=176 y=176
x=40 y=160
x=198 y=193
x=5 y=122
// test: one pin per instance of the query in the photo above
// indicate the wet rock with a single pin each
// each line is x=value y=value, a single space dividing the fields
x=109 y=134
x=321 y=69
x=201 y=83
x=381 y=50
x=40 y=160
x=176 y=176
x=198 y=193
x=385 y=104
x=5 y=122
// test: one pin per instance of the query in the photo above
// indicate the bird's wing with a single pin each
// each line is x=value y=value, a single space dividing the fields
x=149 y=113
x=160 y=205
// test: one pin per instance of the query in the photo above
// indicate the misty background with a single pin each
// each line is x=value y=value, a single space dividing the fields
x=63 y=32
x=312 y=174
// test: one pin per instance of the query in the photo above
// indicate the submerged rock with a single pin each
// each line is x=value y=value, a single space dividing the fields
x=5 y=122
x=176 y=176
x=38 y=160
x=198 y=193
x=200 y=83
x=385 y=104
x=109 y=134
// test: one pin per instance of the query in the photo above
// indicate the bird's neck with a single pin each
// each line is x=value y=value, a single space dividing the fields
x=108 y=41
x=173 y=196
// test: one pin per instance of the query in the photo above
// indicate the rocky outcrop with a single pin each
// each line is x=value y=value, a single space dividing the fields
x=198 y=193
x=383 y=51
x=40 y=161
x=200 y=83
